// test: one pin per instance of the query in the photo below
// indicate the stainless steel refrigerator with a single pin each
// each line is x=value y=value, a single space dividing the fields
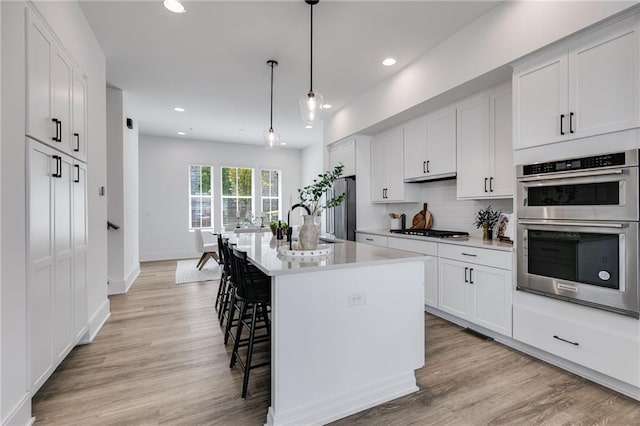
x=341 y=220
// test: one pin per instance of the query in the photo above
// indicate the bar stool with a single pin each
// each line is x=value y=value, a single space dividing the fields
x=223 y=288
x=253 y=297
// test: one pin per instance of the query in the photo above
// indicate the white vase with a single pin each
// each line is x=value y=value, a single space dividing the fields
x=309 y=233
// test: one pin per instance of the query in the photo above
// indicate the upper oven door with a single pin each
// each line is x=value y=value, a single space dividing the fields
x=605 y=194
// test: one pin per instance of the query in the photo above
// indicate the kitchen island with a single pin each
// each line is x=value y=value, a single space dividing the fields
x=347 y=328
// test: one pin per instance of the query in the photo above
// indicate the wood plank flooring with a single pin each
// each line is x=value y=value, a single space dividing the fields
x=160 y=360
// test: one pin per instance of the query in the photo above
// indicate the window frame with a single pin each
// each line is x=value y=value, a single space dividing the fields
x=279 y=197
x=211 y=196
x=252 y=197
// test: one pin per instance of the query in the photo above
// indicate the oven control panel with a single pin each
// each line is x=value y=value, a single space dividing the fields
x=595 y=162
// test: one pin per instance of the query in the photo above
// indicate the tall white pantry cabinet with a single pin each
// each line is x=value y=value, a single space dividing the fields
x=57 y=238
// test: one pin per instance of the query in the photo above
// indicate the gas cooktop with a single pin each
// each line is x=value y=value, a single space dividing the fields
x=434 y=233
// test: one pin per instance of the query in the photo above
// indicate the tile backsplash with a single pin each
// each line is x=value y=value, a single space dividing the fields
x=448 y=212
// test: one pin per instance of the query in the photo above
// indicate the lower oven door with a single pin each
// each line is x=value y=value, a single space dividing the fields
x=591 y=263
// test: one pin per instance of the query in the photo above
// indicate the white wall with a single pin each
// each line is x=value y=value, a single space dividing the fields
x=70 y=26
x=506 y=33
x=164 y=196
x=122 y=195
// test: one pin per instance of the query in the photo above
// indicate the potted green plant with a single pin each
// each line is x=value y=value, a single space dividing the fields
x=315 y=198
x=487 y=219
x=273 y=225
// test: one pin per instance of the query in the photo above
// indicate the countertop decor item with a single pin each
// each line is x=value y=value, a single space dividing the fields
x=312 y=197
x=487 y=219
x=422 y=220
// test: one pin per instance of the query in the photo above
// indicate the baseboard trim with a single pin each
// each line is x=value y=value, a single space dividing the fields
x=343 y=405
x=96 y=322
x=123 y=286
x=21 y=414
x=168 y=255
x=577 y=369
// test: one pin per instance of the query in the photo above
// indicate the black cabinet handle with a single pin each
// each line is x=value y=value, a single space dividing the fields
x=469 y=254
x=471 y=276
x=424 y=165
x=58 y=159
x=77 y=136
x=566 y=341
x=465 y=274
x=485 y=184
x=561 y=122
x=77 y=179
x=60 y=125
x=428 y=166
x=56 y=122
x=491 y=184
x=369 y=239
x=570 y=122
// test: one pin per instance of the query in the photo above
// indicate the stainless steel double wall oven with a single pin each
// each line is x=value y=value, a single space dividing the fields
x=578 y=230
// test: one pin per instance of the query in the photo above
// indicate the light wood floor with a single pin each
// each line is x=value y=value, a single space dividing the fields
x=160 y=360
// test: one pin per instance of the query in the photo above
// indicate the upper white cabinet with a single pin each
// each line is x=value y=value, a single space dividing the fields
x=56 y=93
x=430 y=146
x=485 y=153
x=344 y=152
x=387 y=169
x=590 y=88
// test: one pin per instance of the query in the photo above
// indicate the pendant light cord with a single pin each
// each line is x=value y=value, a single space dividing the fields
x=311 y=53
x=271 y=117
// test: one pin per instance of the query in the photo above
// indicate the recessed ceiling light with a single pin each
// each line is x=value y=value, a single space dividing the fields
x=388 y=62
x=327 y=106
x=283 y=143
x=174 y=6
x=179 y=109
x=181 y=133
x=308 y=126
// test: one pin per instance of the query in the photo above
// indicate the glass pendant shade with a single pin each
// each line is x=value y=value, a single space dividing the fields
x=311 y=107
x=271 y=138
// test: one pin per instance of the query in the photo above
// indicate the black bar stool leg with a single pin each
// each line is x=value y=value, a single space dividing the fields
x=236 y=343
x=252 y=332
x=232 y=311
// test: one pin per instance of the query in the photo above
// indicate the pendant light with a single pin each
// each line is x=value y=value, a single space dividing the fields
x=311 y=102
x=271 y=137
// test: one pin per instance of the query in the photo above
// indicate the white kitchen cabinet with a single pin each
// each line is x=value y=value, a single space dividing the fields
x=430 y=250
x=56 y=92
x=485 y=153
x=79 y=136
x=475 y=292
x=371 y=239
x=387 y=169
x=430 y=146
x=57 y=238
x=589 y=88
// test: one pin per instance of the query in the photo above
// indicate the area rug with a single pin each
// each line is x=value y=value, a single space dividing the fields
x=187 y=272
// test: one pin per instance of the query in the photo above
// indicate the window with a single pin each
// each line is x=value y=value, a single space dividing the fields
x=200 y=196
x=237 y=196
x=270 y=195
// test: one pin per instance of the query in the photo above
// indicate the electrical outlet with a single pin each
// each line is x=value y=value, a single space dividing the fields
x=355 y=299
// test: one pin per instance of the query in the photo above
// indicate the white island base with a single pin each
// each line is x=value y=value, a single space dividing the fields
x=332 y=357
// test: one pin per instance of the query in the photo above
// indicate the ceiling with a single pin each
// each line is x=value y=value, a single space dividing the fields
x=211 y=60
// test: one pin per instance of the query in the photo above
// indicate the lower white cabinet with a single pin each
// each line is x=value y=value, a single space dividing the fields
x=57 y=249
x=476 y=293
x=372 y=239
x=430 y=249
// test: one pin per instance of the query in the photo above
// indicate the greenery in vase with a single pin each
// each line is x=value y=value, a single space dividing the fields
x=488 y=215
x=311 y=196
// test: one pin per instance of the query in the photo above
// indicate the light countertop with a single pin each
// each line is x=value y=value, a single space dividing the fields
x=471 y=242
x=262 y=250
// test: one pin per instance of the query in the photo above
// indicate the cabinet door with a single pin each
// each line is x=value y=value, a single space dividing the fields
x=80 y=244
x=41 y=167
x=378 y=167
x=79 y=136
x=39 y=124
x=63 y=252
x=473 y=148
x=395 y=166
x=603 y=78
x=61 y=96
x=452 y=288
x=502 y=178
x=490 y=298
x=431 y=281
x=415 y=149
x=540 y=94
x=441 y=142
